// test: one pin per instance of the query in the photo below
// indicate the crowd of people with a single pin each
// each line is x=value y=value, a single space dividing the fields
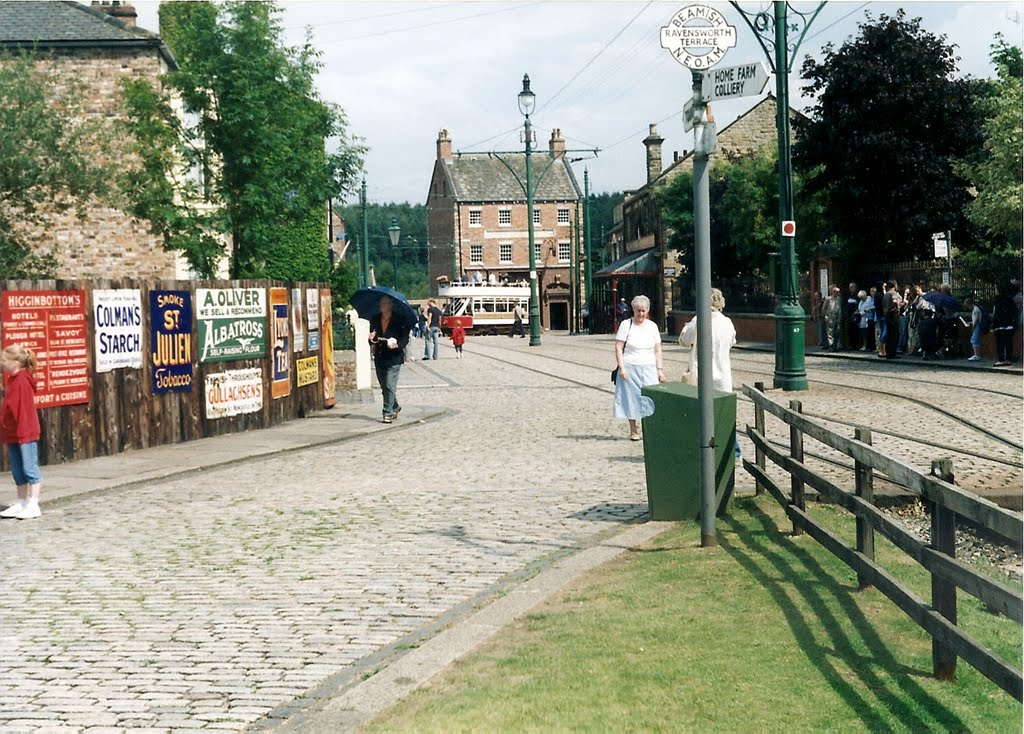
x=892 y=322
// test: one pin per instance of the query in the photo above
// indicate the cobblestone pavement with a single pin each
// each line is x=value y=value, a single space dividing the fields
x=214 y=600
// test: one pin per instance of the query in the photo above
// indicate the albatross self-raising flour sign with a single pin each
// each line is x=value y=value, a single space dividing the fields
x=232 y=323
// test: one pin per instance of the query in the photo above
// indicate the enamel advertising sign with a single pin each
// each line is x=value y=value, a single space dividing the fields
x=53 y=325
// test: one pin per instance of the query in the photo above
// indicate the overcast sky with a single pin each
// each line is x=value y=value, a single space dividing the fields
x=404 y=70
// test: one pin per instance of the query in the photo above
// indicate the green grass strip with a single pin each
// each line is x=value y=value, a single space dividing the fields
x=765 y=633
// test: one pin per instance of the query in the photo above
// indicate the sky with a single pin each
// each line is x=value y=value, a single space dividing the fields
x=401 y=71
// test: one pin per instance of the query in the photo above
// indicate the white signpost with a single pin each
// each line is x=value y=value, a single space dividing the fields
x=941 y=244
x=745 y=80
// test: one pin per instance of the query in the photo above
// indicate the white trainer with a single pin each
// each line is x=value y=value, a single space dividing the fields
x=29 y=511
x=15 y=509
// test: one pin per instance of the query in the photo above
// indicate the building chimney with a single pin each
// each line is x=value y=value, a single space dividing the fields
x=444 y=146
x=653 y=143
x=117 y=9
x=556 y=146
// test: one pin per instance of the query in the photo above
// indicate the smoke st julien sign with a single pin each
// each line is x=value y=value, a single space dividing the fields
x=698 y=36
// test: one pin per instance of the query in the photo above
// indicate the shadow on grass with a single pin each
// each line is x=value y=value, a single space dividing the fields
x=771 y=557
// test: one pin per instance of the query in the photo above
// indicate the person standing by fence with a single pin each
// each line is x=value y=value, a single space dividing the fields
x=834 y=318
x=433 y=327
x=19 y=429
x=1004 y=323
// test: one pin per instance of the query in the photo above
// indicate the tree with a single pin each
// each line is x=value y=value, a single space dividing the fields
x=411 y=255
x=888 y=123
x=744 y=209
x=260 y=133
x=50 y=161
x=996 y=172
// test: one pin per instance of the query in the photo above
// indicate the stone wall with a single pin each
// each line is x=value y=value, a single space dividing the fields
x=107 y=242
x=344 y=370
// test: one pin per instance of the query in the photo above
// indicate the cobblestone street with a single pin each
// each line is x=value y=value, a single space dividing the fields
x=212 y=600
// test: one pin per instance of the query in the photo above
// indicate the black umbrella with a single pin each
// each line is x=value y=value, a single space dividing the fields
x=366 y=302
x=942 y=301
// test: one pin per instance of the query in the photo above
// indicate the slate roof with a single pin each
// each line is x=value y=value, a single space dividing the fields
x=52 y=25
x=483 y=177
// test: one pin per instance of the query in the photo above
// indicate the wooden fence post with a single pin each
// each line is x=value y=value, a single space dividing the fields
x=759 y=427
x=943 y=591
x=865 y=478
x=796 y=451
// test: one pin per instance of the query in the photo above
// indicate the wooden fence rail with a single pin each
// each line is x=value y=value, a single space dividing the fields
x=124 y=410
x=937 y=557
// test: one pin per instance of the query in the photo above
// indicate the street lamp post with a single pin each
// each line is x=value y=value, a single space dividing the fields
x=527 y=100
x=394 y=232
x=364 y=256
x=771 y=30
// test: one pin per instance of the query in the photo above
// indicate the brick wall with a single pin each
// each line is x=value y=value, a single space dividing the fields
x=107 y=242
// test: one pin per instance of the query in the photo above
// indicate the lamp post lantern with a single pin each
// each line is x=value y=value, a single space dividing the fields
x=395 y=233
x=527 y=101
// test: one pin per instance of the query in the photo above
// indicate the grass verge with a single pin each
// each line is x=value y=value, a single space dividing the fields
x=766 y=632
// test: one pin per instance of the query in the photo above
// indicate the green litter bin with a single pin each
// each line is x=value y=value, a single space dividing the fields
x=672 y=450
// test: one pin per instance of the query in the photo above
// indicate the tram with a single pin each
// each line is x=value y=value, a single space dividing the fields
x=481 y=307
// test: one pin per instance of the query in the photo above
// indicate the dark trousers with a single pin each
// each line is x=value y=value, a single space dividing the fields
x=517 y=328
x=1004 y=344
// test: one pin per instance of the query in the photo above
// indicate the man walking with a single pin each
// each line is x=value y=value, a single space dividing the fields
x=433 y=329
x=834 y=318
x=518 y=314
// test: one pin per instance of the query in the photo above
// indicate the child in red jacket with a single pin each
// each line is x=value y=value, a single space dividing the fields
x=458 y=339
x=19 y=429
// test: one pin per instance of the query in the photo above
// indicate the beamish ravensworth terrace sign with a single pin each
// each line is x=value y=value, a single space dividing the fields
x=698 y=36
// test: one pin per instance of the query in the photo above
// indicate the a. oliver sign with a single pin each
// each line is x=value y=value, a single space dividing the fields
x=232 y=323
x=698 y=36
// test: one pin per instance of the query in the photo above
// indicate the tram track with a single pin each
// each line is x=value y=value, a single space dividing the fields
x=973 y=453
x=1010 y=443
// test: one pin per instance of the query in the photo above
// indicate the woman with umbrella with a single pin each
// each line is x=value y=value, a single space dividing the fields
x=389 y=336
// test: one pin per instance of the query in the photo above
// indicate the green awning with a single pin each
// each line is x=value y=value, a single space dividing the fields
x=635 y=263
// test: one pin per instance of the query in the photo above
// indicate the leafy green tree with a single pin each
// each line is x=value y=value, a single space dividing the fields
x=48 y=162
x=261 y=131
x=411 y=254
x=888 y=123
x=159 y=189
x=744 y=210
x=996 y=171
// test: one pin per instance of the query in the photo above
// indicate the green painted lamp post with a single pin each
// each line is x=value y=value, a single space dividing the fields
x=394 y=232
x=771 y=30
x=527 y=101
x=364 y=255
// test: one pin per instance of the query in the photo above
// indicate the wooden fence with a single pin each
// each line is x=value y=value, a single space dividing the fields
x=125 y=412
x=946 y=502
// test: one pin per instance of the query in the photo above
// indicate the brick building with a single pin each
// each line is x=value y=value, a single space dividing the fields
x=94 y=47
x=643 y=265
x=476 y=221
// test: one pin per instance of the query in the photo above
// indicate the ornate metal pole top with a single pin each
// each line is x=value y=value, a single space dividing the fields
x=763 y=25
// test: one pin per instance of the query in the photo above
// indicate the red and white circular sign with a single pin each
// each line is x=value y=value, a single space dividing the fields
x=789 y=228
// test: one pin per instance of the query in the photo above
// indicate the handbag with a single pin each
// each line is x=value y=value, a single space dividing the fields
x=615 y=372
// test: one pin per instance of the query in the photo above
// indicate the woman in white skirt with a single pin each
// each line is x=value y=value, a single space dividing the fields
x=638 y=355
